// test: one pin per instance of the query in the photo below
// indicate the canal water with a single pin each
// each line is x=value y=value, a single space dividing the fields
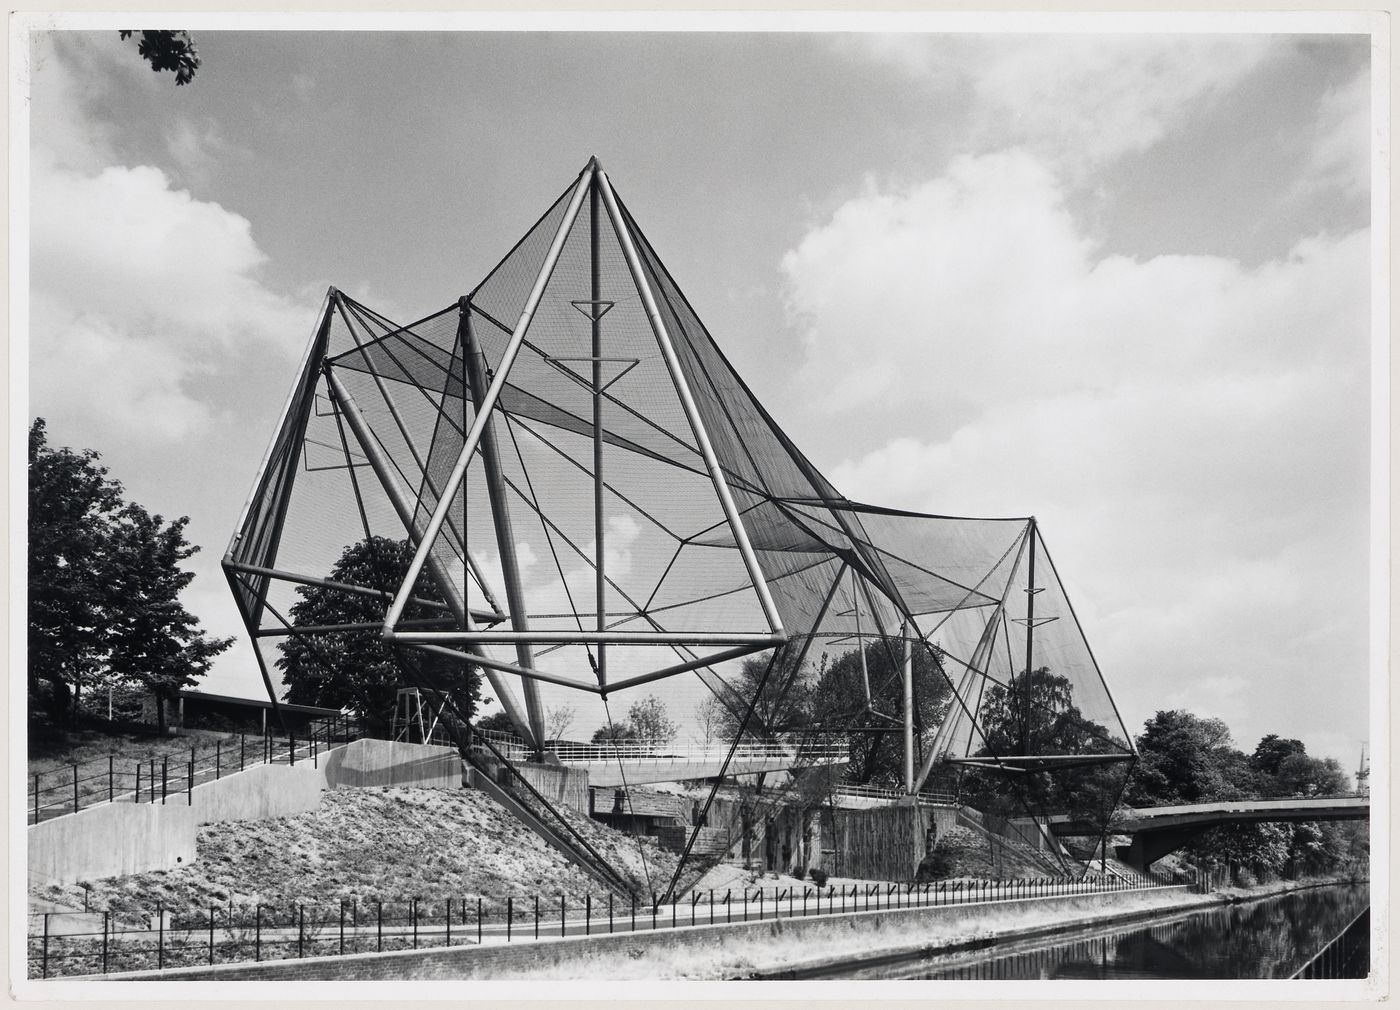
x=1268 y=938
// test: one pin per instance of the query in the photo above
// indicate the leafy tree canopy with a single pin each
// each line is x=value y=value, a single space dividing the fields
x=104 y=586
x=358 y=668
x=167 y=50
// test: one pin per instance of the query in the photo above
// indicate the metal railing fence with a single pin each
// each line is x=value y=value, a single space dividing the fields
x=237 y=934
x=1347 y=955
x=171 y=777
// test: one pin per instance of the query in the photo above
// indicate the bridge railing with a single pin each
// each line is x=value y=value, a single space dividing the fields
x=666 y=753
x=886 y=793
x=820 y=750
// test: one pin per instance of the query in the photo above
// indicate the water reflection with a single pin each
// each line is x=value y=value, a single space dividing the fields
x=1271 y=938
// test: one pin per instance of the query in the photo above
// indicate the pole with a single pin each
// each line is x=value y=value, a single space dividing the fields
x=485 y=406
x=595 y=312
x=692 y=412
x=442 y=578
x=500 y=515
x=1030 y=639
x=909 y=718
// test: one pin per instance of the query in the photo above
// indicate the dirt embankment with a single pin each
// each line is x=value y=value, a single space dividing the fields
x=384 y=844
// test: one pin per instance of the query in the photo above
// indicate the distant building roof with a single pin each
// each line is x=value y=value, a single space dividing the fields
x=228 y=699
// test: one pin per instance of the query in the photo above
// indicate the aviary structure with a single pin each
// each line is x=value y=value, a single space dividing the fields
x=560 y=480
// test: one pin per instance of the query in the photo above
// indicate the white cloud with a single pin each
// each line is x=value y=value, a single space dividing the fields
x=199 y=149
x=137 y=288
x=1192 y=433
x=1077 y=100
x=1342 y=154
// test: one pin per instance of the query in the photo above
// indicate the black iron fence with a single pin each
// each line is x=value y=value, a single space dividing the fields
x=171 y=777
x=74 y=943
x=1347 y=956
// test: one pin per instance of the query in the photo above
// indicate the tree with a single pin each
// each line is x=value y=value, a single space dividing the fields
x=152 y=639
x=72 y=507
x=168 y=50
x=1187 y=759
x=1271 y=751
x=710 y=719
x=358 y=668
x=1303 y=775
x=616 y=732
x=783 y=696
x=1035 y=716
x=649 y=720
x=838 y=703
x=496 y=722
x=104 y=586
x=559 y=721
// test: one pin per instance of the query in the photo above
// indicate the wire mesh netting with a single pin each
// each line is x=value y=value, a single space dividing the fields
x=627 y=518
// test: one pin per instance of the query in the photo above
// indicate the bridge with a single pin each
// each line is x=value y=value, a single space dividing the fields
x=635 y=763
x=1157 y=831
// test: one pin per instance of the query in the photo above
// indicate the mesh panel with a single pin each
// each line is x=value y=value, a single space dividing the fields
x=604 y=499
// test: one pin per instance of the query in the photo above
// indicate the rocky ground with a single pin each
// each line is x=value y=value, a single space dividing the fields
x=367 y=845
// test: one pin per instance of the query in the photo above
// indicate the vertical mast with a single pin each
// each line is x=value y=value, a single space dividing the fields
x=500 y=516
x=596 y=314
x=1031 y=590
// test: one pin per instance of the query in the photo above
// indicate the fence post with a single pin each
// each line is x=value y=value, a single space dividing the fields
x=301 y=929
x=478 y=920
x=561 y=915
x=654 y=907
x=448 y=943
x=634 y=913
x=380 y=927
x=218 y=759
x=211 y=934
x=36 y=797
x=75 y=788
x=164 y=778
x=291 y=748
x=160 y=936
x=413 y=915
x=189 y=782
x=342 y=926
x=537 y=917
x=610 y=912
x=106 y=925
x=510 y=914
x=44 y=970
x=111 y=778
x=257 y=935
x=242 y=748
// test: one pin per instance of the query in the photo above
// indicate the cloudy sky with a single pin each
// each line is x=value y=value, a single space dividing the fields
x=1120 y=282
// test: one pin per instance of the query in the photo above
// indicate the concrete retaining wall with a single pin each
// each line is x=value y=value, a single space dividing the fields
x=258 y=793
x=388 y=763
x=591 y=957
x=561 y=786
x=112 y=840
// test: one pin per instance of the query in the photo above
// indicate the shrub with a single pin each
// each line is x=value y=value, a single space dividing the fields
x=800 y=872
x=818 y=876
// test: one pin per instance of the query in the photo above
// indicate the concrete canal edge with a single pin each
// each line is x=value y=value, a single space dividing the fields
x=716 y=951
x=824 y=966
x=821 y=966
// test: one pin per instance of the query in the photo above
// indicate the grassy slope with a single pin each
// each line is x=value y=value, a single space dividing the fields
x=387 y=844
x=54 y=752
